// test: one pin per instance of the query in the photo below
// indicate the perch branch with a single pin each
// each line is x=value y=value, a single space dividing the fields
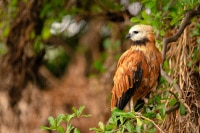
x=138 y=115
x=153 y=123
x=185 y=22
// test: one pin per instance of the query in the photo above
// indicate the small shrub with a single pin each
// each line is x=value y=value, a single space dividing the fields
x=62 y=123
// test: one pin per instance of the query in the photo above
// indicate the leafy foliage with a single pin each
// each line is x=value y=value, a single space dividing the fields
x=56 y=124
x=163 y=14
x=119 y=122
x=122 y=121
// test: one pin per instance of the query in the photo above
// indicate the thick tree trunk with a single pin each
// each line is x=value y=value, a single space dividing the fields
x=20 y=65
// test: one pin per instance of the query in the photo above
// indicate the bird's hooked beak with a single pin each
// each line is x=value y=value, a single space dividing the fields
x=128 y=36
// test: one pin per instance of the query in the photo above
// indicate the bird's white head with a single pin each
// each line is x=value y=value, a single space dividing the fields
x=141 y=34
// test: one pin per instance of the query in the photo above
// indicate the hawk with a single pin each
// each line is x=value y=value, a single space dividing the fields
x=138 y=69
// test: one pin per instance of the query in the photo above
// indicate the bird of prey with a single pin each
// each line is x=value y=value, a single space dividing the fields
x=138 y=69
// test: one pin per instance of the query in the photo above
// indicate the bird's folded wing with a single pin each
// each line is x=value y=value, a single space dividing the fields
x=127 y=78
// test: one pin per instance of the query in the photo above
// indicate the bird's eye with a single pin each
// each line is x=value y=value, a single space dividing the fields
x=135 y=32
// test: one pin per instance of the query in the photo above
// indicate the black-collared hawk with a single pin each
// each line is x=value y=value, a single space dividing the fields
x=138 y=69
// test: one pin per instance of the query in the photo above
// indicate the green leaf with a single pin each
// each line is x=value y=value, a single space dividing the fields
x=76 y=130
x=101 y=125
x=139 y=122
x=150 y=114
x=158 y=99
x=138 y=125
x=158 y=116
x=113 y=120
x=135 y=20
x=45 y=128
x=69 y=128
x=122 y=120
x=96 y=129
x=80 y=111
x=46 y=33
x=166 y=66
x=182 y=109
x=174 y=21
x=52 y=121
x=150 y=4
x=110 y=126
x=138 y=128
x=172 y=9
x=172 y=102
x=59 y=119
x=129 y=126
x=68 y=117
x=75 y=110
x=162 y=32
x=162 y=112
x=144 y=15
x=60 y=129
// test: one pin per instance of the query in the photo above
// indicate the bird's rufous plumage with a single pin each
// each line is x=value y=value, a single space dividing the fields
x=138 y=69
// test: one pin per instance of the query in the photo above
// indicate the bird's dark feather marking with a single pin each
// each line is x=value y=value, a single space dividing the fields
x=137 y=77
x=158 y=80
x=129 y=80
x=139 y=105
x=141 y=42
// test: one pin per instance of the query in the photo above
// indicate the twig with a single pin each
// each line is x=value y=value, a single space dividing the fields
x=173 y=108
x=152 y=123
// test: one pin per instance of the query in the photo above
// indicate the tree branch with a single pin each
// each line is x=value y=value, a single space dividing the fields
x=185 y=22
